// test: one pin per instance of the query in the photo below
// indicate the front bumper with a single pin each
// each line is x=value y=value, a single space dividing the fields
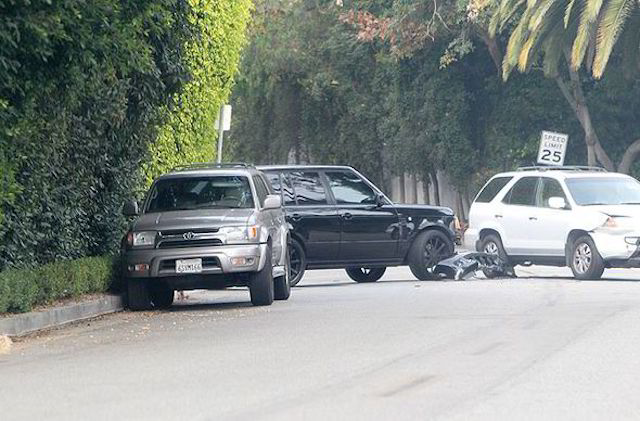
x=215 y=260
x=613 y=247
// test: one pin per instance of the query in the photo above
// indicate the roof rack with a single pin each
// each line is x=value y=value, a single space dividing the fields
x=211 y=165
x=563 y=168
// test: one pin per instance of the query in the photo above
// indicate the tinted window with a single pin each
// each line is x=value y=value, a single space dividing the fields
x=189 y=193
x=308 y=188
x=492 y=189
x=523 y=192
x=549 y=188
x=347 y=187
x=281 y=185
x=261 y=189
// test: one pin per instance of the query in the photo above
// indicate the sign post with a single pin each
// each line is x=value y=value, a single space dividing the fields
x=553 y=148
x=223 y=123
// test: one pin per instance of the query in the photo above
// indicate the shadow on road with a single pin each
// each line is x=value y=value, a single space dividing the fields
x=199 y=305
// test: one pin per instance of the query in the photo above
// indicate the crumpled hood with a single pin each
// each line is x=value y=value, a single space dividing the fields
x=193 y=219
x=632 y=211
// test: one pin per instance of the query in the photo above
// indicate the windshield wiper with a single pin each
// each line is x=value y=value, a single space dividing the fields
x=630 y=203
x=596 y=204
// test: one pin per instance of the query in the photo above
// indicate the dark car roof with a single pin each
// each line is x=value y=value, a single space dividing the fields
x=303 y=167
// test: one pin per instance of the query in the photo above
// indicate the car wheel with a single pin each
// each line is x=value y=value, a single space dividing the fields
x=282 y=284
x=586 y=262
x=298 y=262
x=362 y=275
x=161 y=295
x=491 y=244
x=261 y=284
x=138 y=297
x=429 y=248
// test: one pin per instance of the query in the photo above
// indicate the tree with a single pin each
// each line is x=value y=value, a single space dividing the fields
x=568 y=34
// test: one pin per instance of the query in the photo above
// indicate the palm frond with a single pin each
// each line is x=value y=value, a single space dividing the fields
x=541 y=30
x=506 y=10
x=567 y=14
x=588 y=17
x=610 y=26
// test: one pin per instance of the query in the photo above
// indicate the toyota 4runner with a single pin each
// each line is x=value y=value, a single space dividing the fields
x=206 y=226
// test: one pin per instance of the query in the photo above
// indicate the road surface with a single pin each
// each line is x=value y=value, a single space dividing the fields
x=542 y=346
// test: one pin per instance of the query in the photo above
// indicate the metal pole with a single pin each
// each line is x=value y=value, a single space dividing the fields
x=220 y=134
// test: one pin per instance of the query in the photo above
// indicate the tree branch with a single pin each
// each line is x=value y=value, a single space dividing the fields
x=492 y=45
x=629 y=157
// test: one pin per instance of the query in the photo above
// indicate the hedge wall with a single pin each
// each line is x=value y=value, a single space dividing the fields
x=190 y=135
x=89 y=91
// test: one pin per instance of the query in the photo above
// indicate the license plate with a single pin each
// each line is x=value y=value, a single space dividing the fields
x=188 y=265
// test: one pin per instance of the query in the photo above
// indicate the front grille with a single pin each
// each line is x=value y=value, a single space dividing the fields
x=194 y=230
x=207 y=242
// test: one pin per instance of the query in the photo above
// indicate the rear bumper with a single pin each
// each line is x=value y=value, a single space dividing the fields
x=158 y=263
x=470 y=239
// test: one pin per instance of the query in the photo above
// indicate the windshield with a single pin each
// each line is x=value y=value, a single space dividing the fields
x=189 y=193
x=604 y=191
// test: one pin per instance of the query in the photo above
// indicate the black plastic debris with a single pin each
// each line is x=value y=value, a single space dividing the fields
x=465 y=265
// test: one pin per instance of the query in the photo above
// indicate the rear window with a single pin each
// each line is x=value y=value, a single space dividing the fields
x=493 y=187
x=189 y=193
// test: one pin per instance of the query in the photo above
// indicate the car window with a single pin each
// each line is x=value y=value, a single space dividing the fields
x=523 y=192
x=347 y=187
x=261 y=189
x=491 y=189
x=189 y=193
x=281 y=185
x=549 y=188
x=308 y=188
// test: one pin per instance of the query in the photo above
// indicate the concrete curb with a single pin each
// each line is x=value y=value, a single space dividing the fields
x=22 y=324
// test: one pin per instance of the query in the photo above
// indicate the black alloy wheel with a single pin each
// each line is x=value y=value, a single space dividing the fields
x=363 y=275
x=297 y=262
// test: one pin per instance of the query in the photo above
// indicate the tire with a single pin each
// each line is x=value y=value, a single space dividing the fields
x=363 y=275
x=298 y=262
x=161 y=295
x=261 y=284
x=585 y=260
x=492 y=244
x=282 y=284
x=429 y=248
x=138 y=297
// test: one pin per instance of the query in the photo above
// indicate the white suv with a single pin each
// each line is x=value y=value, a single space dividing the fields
x=581 y=217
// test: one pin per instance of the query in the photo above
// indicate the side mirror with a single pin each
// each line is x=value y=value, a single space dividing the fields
x=273 y=201
x=130 y=208
x=380 y=200
x=557 y=203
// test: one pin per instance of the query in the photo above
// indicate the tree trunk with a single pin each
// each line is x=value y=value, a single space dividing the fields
x=401 y=185
x=461 y=211
x=574 y=95
x=426 y=190
x=492 y=45
x=414 y=188
x=436 y=187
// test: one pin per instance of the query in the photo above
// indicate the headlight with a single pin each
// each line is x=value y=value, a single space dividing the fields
x=618 y=223
x=142 y=238
x=234 y=234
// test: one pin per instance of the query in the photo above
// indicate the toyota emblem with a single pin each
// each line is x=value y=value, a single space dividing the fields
x=188 y=235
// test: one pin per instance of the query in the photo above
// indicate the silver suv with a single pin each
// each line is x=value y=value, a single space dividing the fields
x=206 y=226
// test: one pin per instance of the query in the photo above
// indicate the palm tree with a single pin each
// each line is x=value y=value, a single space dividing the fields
x=568 y=34
x=581 y=31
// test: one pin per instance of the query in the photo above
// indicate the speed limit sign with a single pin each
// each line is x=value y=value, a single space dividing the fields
x=553 y=147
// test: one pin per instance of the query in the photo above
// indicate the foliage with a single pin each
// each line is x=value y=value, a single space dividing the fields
x=22 y=289
x=212 y=58
x=84 y=87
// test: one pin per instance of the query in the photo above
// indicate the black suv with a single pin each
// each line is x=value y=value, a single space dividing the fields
x=339 y=219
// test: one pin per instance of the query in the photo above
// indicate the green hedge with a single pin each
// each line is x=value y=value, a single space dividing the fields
x=22 y=289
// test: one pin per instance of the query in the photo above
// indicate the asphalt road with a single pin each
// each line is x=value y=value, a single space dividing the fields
x=544 y=347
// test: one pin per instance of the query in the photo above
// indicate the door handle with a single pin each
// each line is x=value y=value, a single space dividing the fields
x=533 y=218
x=346 y=215
x=296 y=217
x=497 y=216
